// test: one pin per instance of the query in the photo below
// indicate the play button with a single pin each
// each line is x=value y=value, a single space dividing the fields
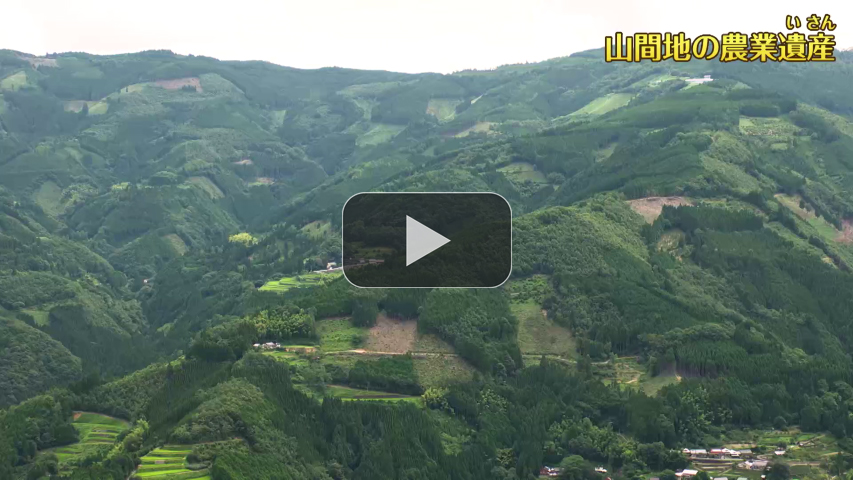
x=427 y=240
x=421 y=240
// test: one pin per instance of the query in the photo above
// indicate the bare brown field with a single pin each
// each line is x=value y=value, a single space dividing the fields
x=178 y=83
x=392 y=335
x=651 y=207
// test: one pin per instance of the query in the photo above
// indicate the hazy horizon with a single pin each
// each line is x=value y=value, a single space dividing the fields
x=443 y=36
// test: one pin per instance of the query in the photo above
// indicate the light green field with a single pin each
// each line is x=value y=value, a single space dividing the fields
x=169 y=463
x=443 y=109
x=318 y=229
x=96 y=431
x=49 y=198
x=207 y=185
x=479 y=127
x=177 y=243
x=651 y=385
x=439 y=371
x=602 y=105
x=299 y=281
x=98 y=108
x=278 y=117
x=522 y=172
x=291 y=358
x=352 y=394
x=338 y=334
x=379 y=133
x=626 y=372
x=823 y=228
x=15 y=81
x=431 y=343
x=95 y=107
x=773 y=128
x=41 y=317
x=538 y=334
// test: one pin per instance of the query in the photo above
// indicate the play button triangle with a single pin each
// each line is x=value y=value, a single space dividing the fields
x=421 y=240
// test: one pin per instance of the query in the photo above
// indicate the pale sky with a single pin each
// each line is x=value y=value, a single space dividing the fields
x=405 y=36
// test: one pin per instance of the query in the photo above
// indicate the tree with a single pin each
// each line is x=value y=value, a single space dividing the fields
x=778 y=471
x=574 y=468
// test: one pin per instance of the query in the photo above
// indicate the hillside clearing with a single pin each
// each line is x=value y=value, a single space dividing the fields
x=392 y=335
x=604 y=104
x=650 y=208
x=523 y=172
x=14 y=82
x=339 y=334
x=378 y=133
x=207 y=186
x=537 y=334
x=479 y=127
x=443 y=109
x=179 y=83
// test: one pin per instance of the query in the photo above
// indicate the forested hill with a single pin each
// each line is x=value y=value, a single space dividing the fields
x=160 y=214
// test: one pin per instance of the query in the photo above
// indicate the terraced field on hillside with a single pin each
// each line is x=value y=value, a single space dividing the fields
x=169 y=463
x=299 y=281
x=96 y=431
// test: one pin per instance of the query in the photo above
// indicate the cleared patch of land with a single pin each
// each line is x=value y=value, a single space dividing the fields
x=49 y=198
x=479 y=127
x=40 y=61
x=774 y=127
x=392 y=335
x=207 y=185
x=443 y=109
x=40 y=317
x=604 y=104
x=824 y=228
x=378 y=133
x=792 y=202
x=15 y=81
x=628 y=373
x=651 y=207
x=846 y=234
x=176 y=242
x=178 y=83
x=442 y=370
x=522 y=172
x=262 y=181
x=537 y=334
x=339 y=334
x=318 y=229
x=431 y=343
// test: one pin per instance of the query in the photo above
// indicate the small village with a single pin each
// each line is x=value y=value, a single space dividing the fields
x=736 y=463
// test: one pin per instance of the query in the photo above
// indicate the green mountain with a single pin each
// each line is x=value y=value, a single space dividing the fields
x=682 y=263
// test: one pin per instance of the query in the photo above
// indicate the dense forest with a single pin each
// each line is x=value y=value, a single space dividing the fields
x=682 y=262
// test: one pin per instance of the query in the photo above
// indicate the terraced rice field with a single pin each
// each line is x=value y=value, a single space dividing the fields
x=306 y=280
x=169 y=463
x=96 y=431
